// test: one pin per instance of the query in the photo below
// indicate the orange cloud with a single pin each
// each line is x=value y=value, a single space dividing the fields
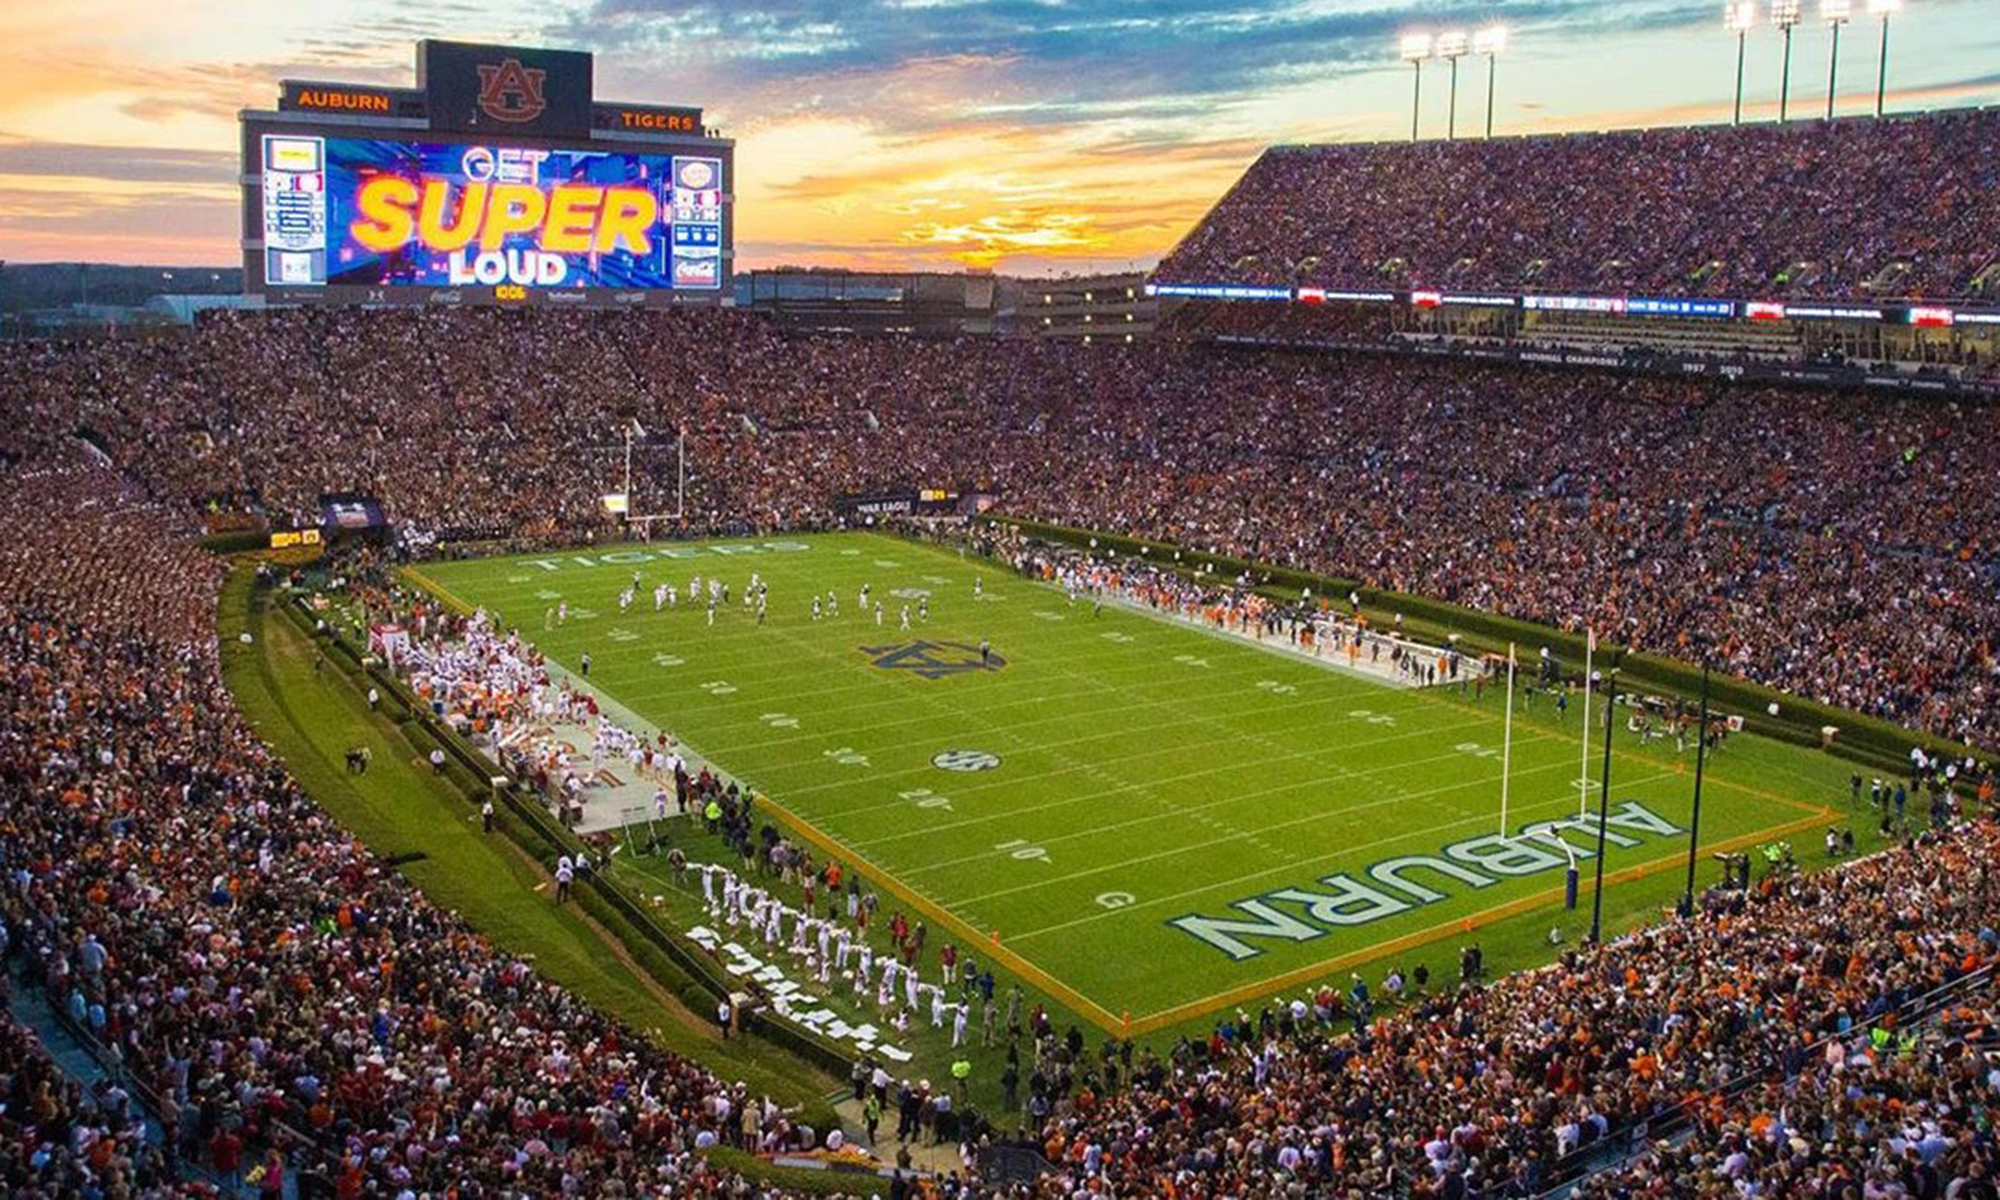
x=988 y=240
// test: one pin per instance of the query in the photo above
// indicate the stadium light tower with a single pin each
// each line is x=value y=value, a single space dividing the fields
x=1835 y=13
x=1451 y=46
x=1785 y=14
x=1416 y=47
x=1739 y=17
x=1492 y=42
x=1882 y=9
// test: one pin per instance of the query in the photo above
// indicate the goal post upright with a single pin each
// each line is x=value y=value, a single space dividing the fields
x=645 y=520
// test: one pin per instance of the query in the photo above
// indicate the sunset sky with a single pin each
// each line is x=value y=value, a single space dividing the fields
x=1031 y=136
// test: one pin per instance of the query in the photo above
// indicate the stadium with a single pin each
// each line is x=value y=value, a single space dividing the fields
x=1438 y=688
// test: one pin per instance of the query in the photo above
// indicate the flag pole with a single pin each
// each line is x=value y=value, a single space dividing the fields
x=1507 y=741
x=1583 y=767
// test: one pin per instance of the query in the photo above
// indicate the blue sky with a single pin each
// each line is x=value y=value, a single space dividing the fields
x=1028 y=135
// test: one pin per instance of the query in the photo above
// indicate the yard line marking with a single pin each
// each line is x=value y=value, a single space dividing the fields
x=1047 y=840
x=1259 y=707
x=1224 y=768
x=1052 y=748
x=1308 y=819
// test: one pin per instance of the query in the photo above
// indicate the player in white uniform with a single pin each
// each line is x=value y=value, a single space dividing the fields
x=815 y=608
x=978 y=586
x=906 y=616
x=878 y=612
x=832 y=603
x=659 y=597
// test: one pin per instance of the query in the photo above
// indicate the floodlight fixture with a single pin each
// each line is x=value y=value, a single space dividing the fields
x=1492 y=42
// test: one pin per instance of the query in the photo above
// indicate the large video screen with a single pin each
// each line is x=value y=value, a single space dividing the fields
x=354 y=212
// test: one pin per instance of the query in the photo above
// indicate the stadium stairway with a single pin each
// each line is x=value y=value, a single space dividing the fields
x=82 y=1061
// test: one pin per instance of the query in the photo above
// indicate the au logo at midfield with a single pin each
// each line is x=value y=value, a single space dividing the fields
x=932 y=660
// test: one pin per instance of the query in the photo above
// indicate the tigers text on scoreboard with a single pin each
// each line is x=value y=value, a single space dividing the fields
x=498 y=179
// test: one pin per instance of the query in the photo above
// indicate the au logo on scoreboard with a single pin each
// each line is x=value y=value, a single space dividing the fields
x=511 y=92
x=933 y=660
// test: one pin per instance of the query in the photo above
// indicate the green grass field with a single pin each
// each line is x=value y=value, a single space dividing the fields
x=1155 y=821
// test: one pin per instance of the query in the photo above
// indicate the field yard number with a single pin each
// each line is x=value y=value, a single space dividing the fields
x=716 y=687
x=911 y=594
x=1373 y=718
x=887 y=564
x=1043 y=614
x=1476 y=750
x=520 y=579
x=663 y=659
x=546 y=594
x=622 y=635
x=583 y=614
x=1191 y=660
x=925 y=798
x=936 y=580
x=1120 y=638
x=1115 y=899
x=780 y=720
x=1023 y=851
x=1275 y=688
x=846 y=756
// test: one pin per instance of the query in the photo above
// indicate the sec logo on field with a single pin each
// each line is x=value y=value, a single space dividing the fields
x=965 y=760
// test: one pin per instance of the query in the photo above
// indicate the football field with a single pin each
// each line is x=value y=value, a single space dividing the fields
x=1153 y=820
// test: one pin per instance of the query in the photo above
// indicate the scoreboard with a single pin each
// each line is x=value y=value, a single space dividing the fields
x=498 y=180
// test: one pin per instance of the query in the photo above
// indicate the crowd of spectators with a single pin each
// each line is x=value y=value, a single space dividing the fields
x=1833 y=210
x=1837 y=546
x=277 y=986
x=1774 y=1019
x=240 y=956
